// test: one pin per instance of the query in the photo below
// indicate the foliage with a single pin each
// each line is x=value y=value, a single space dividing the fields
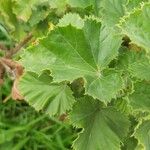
x=90 y=60
x=21 y=127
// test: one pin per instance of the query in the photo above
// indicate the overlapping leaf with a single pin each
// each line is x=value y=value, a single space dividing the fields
x=143 y=134
x=23 y=8
x=80 y=53
x=9 y=19
x=131 y=144
x=84 y=3
x=140 y=99
x=14 y=14
x=137 y=63
x=60 y=5
x=134 y=4
x=136 y=26
x=113 y=10
x=122 y=105
x=38 y=14
x=94 y=5
x=103 y=128
x=40 y=93
x=44 y=59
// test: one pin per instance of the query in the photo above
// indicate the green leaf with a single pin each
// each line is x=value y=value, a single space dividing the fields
x=80 y=53
x=40 y=93
x=6 y=13
x=9 y=19
x=122 y=105
x=83 y=3
x=39 y=64
x=60 y=5
x=136 y=26
x=140 y=99
x=105 y=87
x=103 y=128
x=143 y=134
x=134 y=4
x=73 y=19
x=96 y=5
x=38 y=15
x=131 y=144
x=137 y=63
x=141 y=70
x=23 y=8
x=113 y=10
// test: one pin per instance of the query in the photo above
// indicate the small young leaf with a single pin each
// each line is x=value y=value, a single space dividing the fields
x=40 y=93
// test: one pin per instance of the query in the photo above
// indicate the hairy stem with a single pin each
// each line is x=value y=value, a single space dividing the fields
x=19 y=45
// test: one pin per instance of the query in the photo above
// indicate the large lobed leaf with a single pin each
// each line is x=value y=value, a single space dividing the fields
x=103 y=128
x=71 y=53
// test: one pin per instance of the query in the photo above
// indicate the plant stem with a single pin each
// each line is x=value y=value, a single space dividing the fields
x=20 y=45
